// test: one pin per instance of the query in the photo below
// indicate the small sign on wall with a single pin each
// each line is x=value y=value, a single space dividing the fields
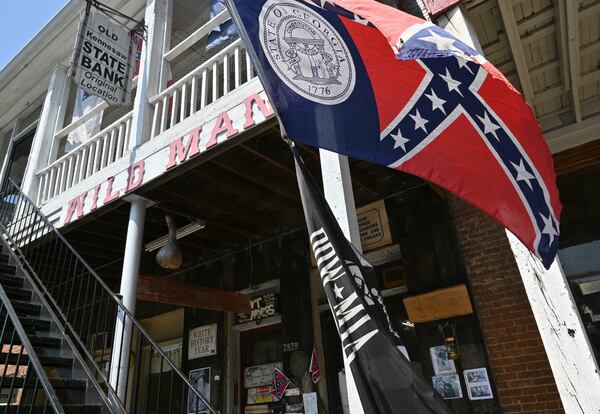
x=439 y=304
x=259 y=375
x=263 y=306
x=374 y=226
x=202 y=341
x=260 y=395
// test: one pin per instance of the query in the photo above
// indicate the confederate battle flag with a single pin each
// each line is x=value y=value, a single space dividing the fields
x=279 y=384
x=314 y=370
x=369 y=81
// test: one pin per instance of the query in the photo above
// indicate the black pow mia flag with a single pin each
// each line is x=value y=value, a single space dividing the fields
x=384 y=378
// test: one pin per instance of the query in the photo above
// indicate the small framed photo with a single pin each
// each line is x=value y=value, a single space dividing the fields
x=440 y=361
x=448 y=386
x=478 y=384
x=200 y=379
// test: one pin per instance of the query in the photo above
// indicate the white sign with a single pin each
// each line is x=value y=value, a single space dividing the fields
x=202 y=342
x=310 y=403
x=103 y=59
x=259 y=375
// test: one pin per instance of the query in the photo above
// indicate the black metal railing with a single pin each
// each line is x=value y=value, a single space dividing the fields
x=127 y=363
x=23 y=384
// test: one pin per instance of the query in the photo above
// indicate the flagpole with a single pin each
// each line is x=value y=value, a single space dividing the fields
x=354 y=401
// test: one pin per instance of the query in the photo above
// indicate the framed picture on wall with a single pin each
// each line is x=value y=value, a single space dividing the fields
x=448 y=386
x=200 y=379
x=478 y=384
x=440 y=361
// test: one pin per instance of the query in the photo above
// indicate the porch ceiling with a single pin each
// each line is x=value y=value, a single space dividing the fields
x=246 y=195
x=549 y=49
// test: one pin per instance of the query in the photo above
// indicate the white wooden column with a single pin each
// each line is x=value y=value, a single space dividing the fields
x=129 y=282
x=44 y=134
x=149 y=75
x=337 y=186
x=569 y=352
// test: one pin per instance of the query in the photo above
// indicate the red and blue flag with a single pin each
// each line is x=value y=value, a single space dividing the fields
x=369 y=81
x=279 y=384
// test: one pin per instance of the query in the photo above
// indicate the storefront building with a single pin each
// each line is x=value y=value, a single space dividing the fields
x=199 y=143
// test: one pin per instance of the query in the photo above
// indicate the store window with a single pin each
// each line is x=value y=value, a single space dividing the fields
x=422 y=260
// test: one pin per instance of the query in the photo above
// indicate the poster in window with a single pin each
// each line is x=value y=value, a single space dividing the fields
x=478 y=384
x=200 y=379
x=448 y=386
x=440 y=361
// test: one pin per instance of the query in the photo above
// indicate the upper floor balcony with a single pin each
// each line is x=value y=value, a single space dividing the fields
x=208 y=93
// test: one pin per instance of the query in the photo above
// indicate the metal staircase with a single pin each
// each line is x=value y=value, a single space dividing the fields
x=68 y=345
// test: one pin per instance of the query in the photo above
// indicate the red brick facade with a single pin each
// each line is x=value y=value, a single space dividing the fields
x=517 y=358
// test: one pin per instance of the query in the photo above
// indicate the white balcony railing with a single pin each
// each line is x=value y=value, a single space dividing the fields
x=212 y=80
x=106 y=147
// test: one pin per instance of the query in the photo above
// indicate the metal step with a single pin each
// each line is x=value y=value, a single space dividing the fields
x=18 y=293
x=39 y=409
x=45 y=341
x=7 y=269
x=35 y=323
x=11 y=280
x=26 y=308
x=57 y=383
x=46 y=360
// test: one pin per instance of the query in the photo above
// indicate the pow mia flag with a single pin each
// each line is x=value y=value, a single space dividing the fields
x=384 y=378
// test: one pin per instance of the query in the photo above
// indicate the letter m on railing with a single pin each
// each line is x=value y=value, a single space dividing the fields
x=181 y=152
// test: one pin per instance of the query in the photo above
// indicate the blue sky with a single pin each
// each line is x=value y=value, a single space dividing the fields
x=20 y=21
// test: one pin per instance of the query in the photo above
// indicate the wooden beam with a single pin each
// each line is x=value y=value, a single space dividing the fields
x=241 y=184
x=577 y=158
x=267 y=182
x=514 y=41
x=271 y=161
x=572 y=11
x=228 y=209
x=160 y=290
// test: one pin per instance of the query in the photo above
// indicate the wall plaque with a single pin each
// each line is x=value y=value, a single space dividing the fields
x=439 y=304
x=374 y=226
x=259 y=375
x=202 y=341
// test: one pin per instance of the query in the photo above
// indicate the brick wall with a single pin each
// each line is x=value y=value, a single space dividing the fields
x=517 y=358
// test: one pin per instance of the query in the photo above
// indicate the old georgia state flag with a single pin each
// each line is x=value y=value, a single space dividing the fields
x=369 y=81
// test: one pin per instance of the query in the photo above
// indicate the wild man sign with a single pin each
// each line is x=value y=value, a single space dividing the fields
x=103 y=59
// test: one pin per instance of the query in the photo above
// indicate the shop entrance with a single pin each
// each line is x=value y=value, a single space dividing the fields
x=260 y=352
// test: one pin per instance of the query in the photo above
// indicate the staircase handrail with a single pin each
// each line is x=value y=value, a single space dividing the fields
x=32 y=236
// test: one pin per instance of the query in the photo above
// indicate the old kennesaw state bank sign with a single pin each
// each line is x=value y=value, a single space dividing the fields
x=152 y=161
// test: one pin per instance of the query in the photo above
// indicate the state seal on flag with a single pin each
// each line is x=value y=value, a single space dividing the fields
x=306 y=52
